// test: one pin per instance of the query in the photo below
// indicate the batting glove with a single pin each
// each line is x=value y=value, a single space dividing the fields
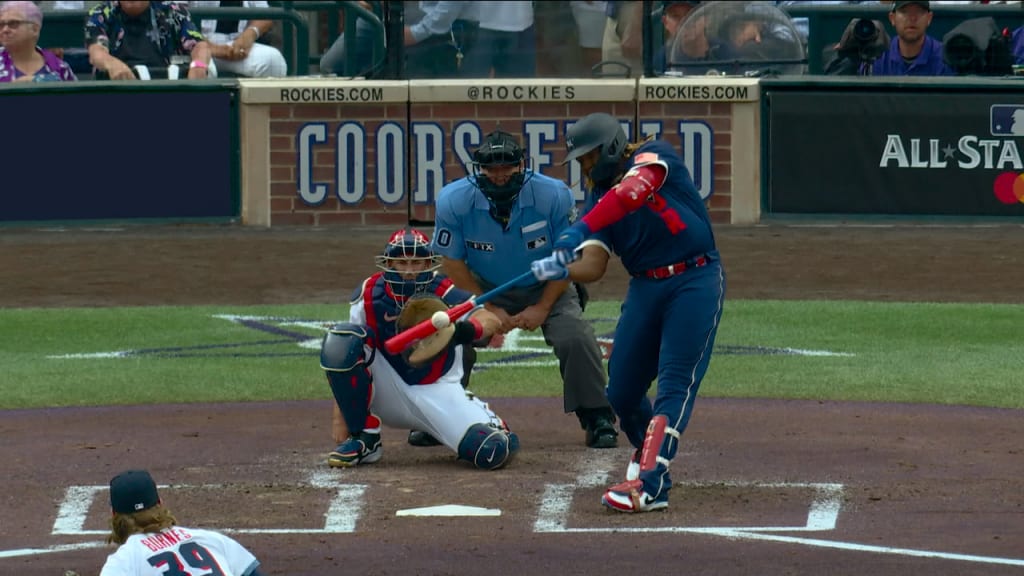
x=550 y=268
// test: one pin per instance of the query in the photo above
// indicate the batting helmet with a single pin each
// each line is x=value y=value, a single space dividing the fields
x=408 y=262
x=500 y=149
x=598 y=131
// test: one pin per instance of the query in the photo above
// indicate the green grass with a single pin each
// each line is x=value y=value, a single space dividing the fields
x=896 y=352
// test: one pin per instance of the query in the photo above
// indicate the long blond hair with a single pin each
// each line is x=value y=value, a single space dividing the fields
x=151 y=520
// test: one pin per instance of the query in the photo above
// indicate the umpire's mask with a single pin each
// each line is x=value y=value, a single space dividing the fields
x=499 y=170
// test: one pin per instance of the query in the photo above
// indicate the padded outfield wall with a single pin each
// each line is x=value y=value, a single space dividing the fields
x=317 y=152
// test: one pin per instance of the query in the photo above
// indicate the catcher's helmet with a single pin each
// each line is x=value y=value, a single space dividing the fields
x=598 y=131
x=408 y=262
x=500 y=149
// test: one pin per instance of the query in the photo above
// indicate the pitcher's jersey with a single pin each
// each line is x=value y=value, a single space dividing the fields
x=375 y=305
x=179 y=550
x=673 y=226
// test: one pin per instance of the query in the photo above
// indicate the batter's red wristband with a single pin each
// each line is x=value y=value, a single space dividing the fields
x=478 y=327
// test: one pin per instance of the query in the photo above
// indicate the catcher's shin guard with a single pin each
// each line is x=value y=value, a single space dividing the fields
x=343 y=359
x=630 y=495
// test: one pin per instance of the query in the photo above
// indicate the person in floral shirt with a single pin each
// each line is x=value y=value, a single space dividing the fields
x=124 y=34
x=21 y=59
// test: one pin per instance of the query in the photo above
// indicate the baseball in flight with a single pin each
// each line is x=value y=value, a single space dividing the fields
x=440 y=319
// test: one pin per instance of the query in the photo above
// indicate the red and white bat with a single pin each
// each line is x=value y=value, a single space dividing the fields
x=399 y=342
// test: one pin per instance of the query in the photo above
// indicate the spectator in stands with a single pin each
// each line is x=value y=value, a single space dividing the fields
x=124 y=34
x=21 y=59
x=590 y=20
x=559 y=41
x=506 y=44
x=672 y=15
x=623 y=36
x=441 y=44
x=912 y=52
x=233 y=42
x=334 y=59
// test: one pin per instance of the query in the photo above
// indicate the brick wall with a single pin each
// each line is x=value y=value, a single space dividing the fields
x=444 y=108
x=287 y=207
x=718 y=115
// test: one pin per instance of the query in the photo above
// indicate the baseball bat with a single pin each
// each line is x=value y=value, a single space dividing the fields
x=400 y=341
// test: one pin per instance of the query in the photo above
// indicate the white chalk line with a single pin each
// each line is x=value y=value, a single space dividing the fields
x=346 y=506
x=341 y=515
x=50 y=550
x=822 y=516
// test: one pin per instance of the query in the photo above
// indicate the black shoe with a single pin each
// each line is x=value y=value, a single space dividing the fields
x=601 y=433
x=422 y=439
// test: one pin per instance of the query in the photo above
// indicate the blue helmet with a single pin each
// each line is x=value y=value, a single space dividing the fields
x=601 y=132
x=408 y=246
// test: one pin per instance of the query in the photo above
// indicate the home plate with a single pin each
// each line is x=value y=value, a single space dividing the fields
x=449 y=510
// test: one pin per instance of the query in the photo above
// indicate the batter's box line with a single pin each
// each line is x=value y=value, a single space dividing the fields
x=822 y=515
x=341 y=515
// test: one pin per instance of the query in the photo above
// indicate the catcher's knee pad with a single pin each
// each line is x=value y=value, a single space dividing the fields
x=488 y=448
x=344 y=359
x=344 y=347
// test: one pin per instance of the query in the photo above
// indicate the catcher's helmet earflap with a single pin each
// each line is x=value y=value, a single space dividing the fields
x=500 y=149
x=598 y=131
x=411 y=247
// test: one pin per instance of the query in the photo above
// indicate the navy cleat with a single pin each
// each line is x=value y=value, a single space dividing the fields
x=361 y=448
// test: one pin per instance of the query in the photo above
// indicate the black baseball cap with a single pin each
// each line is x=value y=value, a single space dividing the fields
x=132 y=491
x=897 y=5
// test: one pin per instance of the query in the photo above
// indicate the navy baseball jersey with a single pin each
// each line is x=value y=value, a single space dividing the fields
x=672 y=227
x=464 y=229
x=382 y=309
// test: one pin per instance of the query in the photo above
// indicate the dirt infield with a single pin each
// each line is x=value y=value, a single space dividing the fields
x=765 y=487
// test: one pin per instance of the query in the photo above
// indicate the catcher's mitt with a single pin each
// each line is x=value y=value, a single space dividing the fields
x=416 y=310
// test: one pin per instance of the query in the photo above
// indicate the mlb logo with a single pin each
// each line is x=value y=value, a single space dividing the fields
x=1007 y=120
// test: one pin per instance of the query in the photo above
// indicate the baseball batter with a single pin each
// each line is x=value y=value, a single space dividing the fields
x=152 y=544
x=646 y=209
x=420 y=389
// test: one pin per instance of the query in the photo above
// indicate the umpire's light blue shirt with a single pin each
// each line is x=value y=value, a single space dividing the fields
x=464 y=229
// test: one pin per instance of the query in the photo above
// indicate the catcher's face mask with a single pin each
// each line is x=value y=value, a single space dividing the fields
x=408 y=263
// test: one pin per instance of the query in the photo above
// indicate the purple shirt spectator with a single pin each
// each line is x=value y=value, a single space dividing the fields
x=928 y=62
x=21 y=59
x=54 y=69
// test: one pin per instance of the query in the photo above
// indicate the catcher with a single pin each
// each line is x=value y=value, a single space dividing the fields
x=420 y=389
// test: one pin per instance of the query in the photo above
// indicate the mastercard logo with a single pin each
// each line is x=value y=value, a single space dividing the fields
x=1009 y=187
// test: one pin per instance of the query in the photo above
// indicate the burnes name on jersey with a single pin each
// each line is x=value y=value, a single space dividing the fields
x=170 y=537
